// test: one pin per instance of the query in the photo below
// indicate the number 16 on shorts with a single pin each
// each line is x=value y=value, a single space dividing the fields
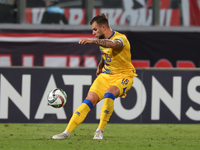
x=125 y=81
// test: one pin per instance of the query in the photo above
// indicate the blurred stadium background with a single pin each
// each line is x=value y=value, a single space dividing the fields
x=39 y=52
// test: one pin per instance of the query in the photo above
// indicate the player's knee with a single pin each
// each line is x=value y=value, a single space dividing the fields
x=109 y=95
x=114 y=90
x=93 y=98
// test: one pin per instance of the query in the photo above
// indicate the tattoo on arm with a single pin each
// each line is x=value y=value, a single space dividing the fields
x=108 y=43
x=104 y=42
x=118 y=43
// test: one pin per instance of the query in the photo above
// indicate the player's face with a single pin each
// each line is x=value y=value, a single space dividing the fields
x=97 y=31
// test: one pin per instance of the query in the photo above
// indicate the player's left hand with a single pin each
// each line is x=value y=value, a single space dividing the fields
x=99 y=70
x=86 y=41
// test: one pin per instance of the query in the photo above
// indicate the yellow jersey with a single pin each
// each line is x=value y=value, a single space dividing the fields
x=118 y=60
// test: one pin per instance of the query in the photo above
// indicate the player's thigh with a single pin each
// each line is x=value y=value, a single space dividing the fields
x=124 y=83
x=100 y=85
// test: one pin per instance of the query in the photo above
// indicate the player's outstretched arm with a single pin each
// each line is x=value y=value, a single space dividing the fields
x=102 y=42
x=108 y=43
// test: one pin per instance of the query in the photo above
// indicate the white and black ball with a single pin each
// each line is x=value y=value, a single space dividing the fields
x=57 y=98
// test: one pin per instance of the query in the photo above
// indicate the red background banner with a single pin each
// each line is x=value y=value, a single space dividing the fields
x=149 y=49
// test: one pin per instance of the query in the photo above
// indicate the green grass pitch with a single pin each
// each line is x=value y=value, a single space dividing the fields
x=116 y=137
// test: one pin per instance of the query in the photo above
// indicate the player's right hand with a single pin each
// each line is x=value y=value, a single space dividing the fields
x=86 y=41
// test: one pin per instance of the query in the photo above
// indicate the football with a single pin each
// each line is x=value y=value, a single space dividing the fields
x=57 y=98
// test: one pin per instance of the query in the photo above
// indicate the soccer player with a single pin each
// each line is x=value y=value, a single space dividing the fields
x=115 y=74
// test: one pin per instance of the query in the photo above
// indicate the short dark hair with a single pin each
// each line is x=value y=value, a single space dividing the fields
x=100 y=19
